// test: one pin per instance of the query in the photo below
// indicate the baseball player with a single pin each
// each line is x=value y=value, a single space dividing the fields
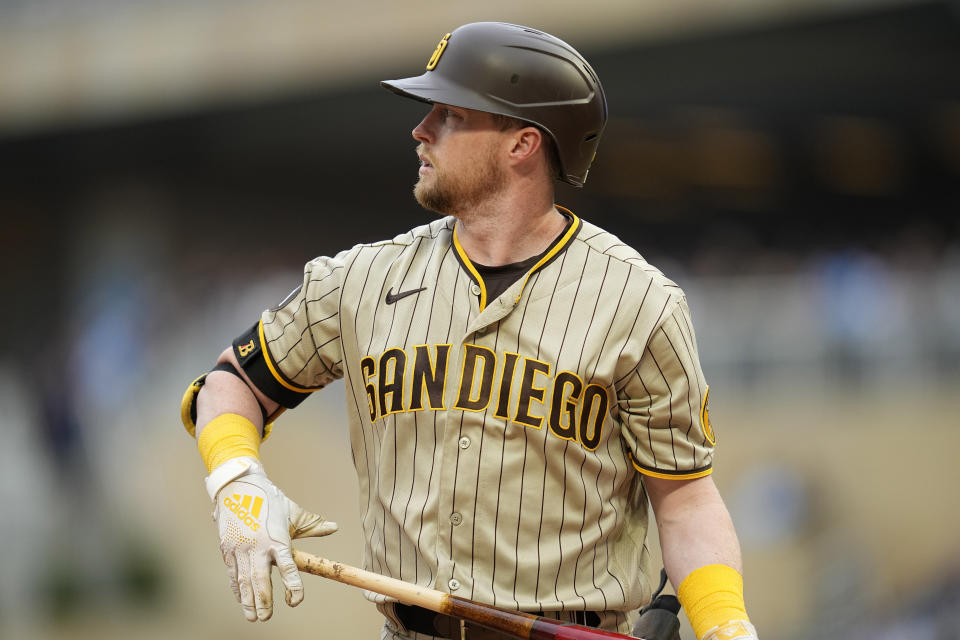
x=519 y=382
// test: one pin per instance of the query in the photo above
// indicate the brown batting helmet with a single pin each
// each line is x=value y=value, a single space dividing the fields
x=522 y=73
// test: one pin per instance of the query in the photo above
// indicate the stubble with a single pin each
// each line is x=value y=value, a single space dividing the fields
x=459 y=194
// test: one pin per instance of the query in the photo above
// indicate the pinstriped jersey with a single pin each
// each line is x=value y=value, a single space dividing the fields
x=500 y=443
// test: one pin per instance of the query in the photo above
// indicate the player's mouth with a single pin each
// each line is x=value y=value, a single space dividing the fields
x=426 y=165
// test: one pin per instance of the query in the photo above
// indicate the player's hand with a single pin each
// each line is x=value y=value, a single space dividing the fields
x=256 y=522
x=733 y=630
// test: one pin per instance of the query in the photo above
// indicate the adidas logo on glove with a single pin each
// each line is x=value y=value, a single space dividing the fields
x=247 y=509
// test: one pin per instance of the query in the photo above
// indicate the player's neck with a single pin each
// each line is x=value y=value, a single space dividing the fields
x=505 y=232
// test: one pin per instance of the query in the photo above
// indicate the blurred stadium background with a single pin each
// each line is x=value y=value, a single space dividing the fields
x=166 y=167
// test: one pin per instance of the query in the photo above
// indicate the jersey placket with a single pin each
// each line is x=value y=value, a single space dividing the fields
x=463 y=427
x=460 y=446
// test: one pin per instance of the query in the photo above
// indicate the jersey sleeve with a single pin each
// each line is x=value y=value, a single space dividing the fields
x=301 y=336
x=663 y=404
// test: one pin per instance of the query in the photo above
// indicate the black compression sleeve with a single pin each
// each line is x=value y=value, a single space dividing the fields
x=250 y=355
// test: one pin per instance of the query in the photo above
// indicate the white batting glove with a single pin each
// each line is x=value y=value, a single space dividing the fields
x=734 y=630
x=256 y=522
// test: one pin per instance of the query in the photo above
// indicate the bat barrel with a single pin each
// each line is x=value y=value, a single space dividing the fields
x=514 y=623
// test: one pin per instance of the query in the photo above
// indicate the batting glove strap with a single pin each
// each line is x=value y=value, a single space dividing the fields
x=228 y=472
x=733 y=630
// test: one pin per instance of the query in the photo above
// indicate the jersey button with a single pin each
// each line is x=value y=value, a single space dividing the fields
x=464 y=442
x=454 y=584
x=475 y=289
x=456 y=518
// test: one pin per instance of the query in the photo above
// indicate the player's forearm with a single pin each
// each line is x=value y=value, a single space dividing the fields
x=702 y=556
x=695 y=530
x=225 y=393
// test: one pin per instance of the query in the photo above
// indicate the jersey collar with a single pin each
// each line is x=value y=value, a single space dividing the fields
x=561 y=243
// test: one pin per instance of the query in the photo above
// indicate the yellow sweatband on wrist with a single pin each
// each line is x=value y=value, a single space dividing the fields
x=712 y=595
x=228 y=436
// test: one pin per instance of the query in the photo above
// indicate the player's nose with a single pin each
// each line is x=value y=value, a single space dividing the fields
x=420 y=132
x=423 y=132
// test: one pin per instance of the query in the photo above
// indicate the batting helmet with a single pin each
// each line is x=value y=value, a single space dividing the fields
x=522 y=73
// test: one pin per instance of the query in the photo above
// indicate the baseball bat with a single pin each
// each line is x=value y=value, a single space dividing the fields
x=517 y=624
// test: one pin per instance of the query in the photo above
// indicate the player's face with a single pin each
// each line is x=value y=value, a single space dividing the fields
x=459 y=156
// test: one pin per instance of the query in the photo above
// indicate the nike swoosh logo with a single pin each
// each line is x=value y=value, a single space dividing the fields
x=391 y=297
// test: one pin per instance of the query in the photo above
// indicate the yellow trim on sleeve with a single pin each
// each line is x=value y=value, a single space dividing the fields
x=273 y=370
x=676 y=476
x=228 y=436
x=679 y=475
x=472 y=269
x=712 y=596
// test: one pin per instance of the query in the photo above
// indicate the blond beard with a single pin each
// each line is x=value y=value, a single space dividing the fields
x=458 y=195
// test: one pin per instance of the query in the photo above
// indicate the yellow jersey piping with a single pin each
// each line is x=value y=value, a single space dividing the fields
x=550 y=255
x=571 y=231
x=273 y=370
x=472 y=269
x=671 y=475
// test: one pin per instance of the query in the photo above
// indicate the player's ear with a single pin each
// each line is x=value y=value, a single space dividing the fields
x=524 y=143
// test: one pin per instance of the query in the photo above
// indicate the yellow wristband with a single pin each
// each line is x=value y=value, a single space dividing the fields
x=712 y=595
x=228 y=436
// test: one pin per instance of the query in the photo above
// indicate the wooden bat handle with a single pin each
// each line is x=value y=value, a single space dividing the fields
x=515 y=623
x=403 y=591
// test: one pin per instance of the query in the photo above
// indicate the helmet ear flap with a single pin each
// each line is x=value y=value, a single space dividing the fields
x=521 y=73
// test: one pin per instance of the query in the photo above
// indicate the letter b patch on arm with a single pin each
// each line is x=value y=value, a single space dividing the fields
x=254 y=360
